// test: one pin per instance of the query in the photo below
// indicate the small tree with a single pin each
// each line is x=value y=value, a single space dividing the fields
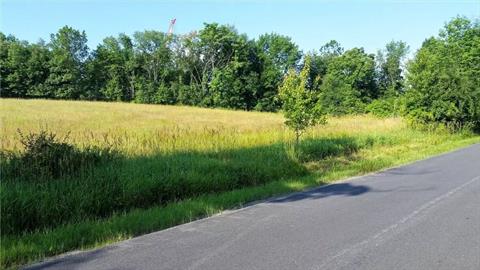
x=300 y=101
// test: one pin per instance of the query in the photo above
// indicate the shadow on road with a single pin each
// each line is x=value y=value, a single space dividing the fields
x=407 y=171
x=70 y=262
x=341 y=189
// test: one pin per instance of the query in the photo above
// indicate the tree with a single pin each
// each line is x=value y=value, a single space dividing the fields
x=15 y=55
x=201 y=55
x=325 y=56
x=280 y=50
x=131 y=67
x=67 y=74
x=277 y=54
x=235 y=85
x=154 y=53
x=339 y=97
x=187 y=60
x=389 y=65
x=216 y=47
x=349 y=82
x=300 y=105
x=113 y=67
x=24 y=67
x=444 y=78
x=155 y=58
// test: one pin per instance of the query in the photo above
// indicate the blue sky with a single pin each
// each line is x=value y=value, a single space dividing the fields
x=368 y=24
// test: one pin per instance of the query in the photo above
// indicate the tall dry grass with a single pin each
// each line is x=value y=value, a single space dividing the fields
x=148 y=129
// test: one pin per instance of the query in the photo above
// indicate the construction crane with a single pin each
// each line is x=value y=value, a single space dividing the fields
x=170 y=27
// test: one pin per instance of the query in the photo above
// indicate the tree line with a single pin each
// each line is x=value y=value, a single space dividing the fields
x=216 y=67
x=219 y=67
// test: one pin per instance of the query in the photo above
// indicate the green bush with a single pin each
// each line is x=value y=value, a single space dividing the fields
x=386 y=107
x=46 y=156
x=314 y=150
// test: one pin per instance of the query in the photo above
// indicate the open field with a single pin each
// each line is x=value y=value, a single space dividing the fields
x=176 y=164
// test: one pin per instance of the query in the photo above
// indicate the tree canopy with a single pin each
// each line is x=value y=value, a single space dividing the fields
x=217 y=66
x=444 y=77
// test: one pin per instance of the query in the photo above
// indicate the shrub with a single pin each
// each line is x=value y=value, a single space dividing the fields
x=313 y=150
x=47 y=156
x=384 y=107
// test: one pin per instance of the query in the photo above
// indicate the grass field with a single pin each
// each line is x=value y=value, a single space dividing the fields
x=176 y=164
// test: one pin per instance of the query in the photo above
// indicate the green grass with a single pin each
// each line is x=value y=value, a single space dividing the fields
x=179 y=164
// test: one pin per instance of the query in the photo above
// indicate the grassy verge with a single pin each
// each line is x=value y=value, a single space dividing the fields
x=172 y=169
x=94 y=233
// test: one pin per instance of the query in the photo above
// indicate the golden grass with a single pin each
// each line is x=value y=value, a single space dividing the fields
x=143 y=129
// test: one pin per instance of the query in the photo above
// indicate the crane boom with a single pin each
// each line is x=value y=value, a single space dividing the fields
x=170 y=27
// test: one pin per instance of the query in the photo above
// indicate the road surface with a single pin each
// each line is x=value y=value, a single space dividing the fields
x=425 y=215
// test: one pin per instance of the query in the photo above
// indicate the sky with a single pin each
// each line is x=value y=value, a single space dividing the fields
x=369 y=24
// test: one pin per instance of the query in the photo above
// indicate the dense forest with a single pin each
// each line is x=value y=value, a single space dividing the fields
x=219 y=67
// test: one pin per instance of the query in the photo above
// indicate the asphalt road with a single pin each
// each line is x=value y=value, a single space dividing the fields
x=421 y=216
